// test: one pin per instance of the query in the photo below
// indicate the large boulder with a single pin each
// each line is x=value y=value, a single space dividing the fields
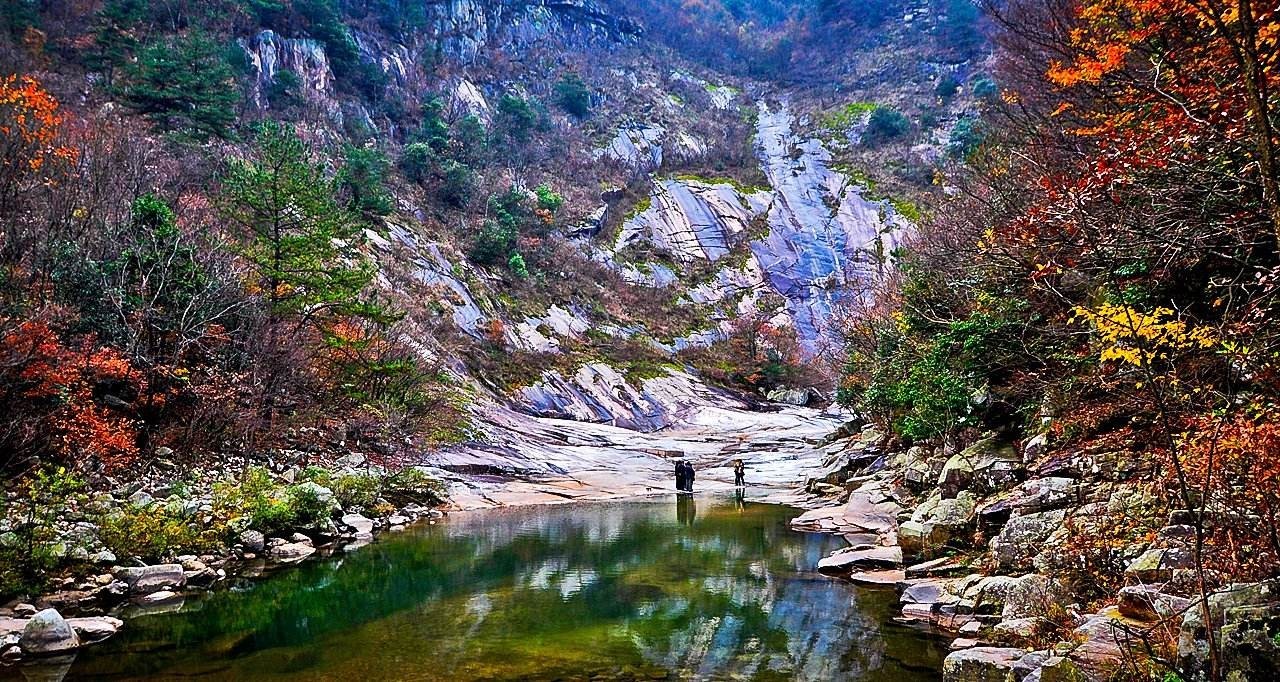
x=253 y=541
x=1158 y=565
x=1033 y=596
x=922 y=467
x=936 y=523
x=148 y=579
x=1149 y=603
x=1023 y=536
x=48 y=633
x=985 y=467
x=1248 y=614
x=981 y=664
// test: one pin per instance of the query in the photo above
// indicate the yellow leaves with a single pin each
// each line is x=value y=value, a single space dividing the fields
x=1139 y=338
x=900 y=321
x=987 y=240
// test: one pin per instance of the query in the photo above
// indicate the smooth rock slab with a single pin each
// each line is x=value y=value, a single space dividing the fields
x=981 y=664
x=48 y=633
x=847 y=560
x=92 y=630
x=877 y=578
x=148 y=579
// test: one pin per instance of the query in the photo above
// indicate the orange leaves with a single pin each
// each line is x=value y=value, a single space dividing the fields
x=30 y=121
x=57 y=386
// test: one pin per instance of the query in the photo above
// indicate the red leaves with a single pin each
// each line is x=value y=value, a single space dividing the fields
x=54 y=389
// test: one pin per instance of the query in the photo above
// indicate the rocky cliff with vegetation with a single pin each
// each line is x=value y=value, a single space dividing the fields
x=277 y=272
x=273 y=267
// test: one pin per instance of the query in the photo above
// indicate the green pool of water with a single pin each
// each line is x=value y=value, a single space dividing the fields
x=657 y=589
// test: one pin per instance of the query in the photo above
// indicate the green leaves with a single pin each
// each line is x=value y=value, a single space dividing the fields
x=184 y=84
x=303 y=244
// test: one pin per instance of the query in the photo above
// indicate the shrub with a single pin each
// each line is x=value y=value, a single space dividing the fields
x=985 y=88
x=285 y=90
x=947 y=87
x=885 y=124
x=517 y=266
x=494 y=243
x=573 y=96
x=362 y=179
x=413 y=485
x=966 y=138
x=260 y=503
x=547 y=198
x=28 y=551
x=457 y=183
x=418 y=161
x=154 y=533
x=515 y=119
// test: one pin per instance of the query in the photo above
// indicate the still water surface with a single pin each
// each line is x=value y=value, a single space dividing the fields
x=710 y=588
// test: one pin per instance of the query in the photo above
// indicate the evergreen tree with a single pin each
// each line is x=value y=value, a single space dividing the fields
x=115 y=35
x=304 y=245
x=184 y=84
x=362 y=181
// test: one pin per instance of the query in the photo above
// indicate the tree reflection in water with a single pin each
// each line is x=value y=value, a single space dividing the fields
x=718 y=589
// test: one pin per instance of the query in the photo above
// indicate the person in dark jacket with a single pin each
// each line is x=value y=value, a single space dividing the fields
x=680 y=475
x=688 y=477
x=739 y=474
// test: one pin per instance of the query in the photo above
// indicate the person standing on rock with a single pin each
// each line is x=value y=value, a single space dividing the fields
x=680 y=475
x=739 y=474
x=688 y=477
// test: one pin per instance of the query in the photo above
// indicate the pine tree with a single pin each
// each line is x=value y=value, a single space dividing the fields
x=304 y=245
x=184 y=84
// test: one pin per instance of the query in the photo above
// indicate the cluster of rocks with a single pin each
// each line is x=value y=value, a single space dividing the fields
x=914 y=521
x=102 y=586
x=28 y=633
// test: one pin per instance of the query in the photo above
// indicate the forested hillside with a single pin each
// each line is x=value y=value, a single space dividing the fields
x=279 y=272
x=252 y=248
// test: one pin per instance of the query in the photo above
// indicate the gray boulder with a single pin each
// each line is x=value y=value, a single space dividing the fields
x=148 y=579
x=1033 y=596
x=1022 y=537
x=981 y=664
x=1249 y=613
x=48 y=633
x=1148 y=603
x=362 y=526
x=253 y=541
x=985 y=467
x=1158 y=565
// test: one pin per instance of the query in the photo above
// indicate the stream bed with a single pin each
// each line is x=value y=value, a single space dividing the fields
x=665 y=588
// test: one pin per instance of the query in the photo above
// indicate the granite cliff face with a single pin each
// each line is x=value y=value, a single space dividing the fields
x=796 y=246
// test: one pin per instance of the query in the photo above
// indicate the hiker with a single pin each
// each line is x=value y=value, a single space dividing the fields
x=739 y=474
x=680 y=475
x=688 y=477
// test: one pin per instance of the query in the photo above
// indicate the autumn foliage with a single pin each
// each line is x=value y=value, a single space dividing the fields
x=1109 y=277
x=58 y=392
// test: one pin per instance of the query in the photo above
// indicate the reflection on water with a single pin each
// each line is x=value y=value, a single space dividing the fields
x=692 y=588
